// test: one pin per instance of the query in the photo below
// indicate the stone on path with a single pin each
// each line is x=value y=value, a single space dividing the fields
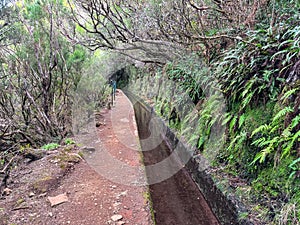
x=58 y=199
x=116 y=218
x=7 y=191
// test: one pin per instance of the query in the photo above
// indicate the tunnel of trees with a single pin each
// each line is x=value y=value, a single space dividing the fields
x=246 y=52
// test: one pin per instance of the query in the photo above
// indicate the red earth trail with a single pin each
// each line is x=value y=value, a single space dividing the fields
x=108 y=186
x=94 y=197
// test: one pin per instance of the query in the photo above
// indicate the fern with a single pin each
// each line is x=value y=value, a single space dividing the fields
x=287 y=150
x=262 y=128
x=201 y=142
x=295 y=121
x=282 y=113
x=258 y=141
x=293 y=166
x=272 y=139
x=242 y=120
x=237 y=141
x=228 y=117
x=274 y=129
x=265 y=152
x=232 y=123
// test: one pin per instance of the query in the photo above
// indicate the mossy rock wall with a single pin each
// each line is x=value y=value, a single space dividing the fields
x=224 y=207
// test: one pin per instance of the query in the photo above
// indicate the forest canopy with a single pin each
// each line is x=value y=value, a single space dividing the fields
x=49 y=49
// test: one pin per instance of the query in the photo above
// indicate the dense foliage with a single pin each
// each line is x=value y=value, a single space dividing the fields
x=225 y=74
x=257 y=77
x=40 y=71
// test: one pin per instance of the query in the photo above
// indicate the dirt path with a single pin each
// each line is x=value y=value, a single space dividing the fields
x=106 y=188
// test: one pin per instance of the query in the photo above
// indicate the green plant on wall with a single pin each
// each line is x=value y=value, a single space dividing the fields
x=274 y=135
x=50 y=146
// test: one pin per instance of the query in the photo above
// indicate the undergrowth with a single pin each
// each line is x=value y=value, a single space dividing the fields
x=242 y=112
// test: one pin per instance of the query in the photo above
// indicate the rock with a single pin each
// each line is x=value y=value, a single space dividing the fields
x=124 y=120
x=50 y=152
x=116 y=218
x=31 y=194
x=50 y=214
x=116 y=204
x=123 y=193
x=21 y=204
x=120 y=223
x=34 y=154
x=58 y=199
x=7 y=191
x=98 y=124
x=90 y=149
x=55 y=161
x=42 y=195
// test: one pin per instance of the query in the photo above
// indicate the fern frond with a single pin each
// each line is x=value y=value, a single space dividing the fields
x=295 y=121
x=274 y=129
x=264 y=153
x=272 y=142
x=228 y=117
x=258 y=156
x=287 y=150
x=282 y=113
x=258 y=141
x=242 y=120
x=247 y=99
x=232 y=123
x=201 y=141
x=262 y=128
x=233 y=143
x=295 y=162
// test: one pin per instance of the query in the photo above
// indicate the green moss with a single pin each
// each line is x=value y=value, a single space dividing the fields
x=50 y=146
x=254 y=117
x=81 y=154
x=243 y=215
x=19 y=201
x=238 y=151
x=43 y=184
x=69 y=141
x=148 y=201
x=66 y=157
x=275 y=184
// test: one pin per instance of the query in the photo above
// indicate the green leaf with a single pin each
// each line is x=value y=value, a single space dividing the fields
x=257 y=157
x=50 y=146
x=287 y=149
x=242 y=120
x=295 y=121
x=294 y=163
x=282 y=113
x=262 y=128
x=258 y=141
x=228 y=117
x=232 y=123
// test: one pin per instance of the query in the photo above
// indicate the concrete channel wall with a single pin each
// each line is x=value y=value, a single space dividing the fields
x=226 y=210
